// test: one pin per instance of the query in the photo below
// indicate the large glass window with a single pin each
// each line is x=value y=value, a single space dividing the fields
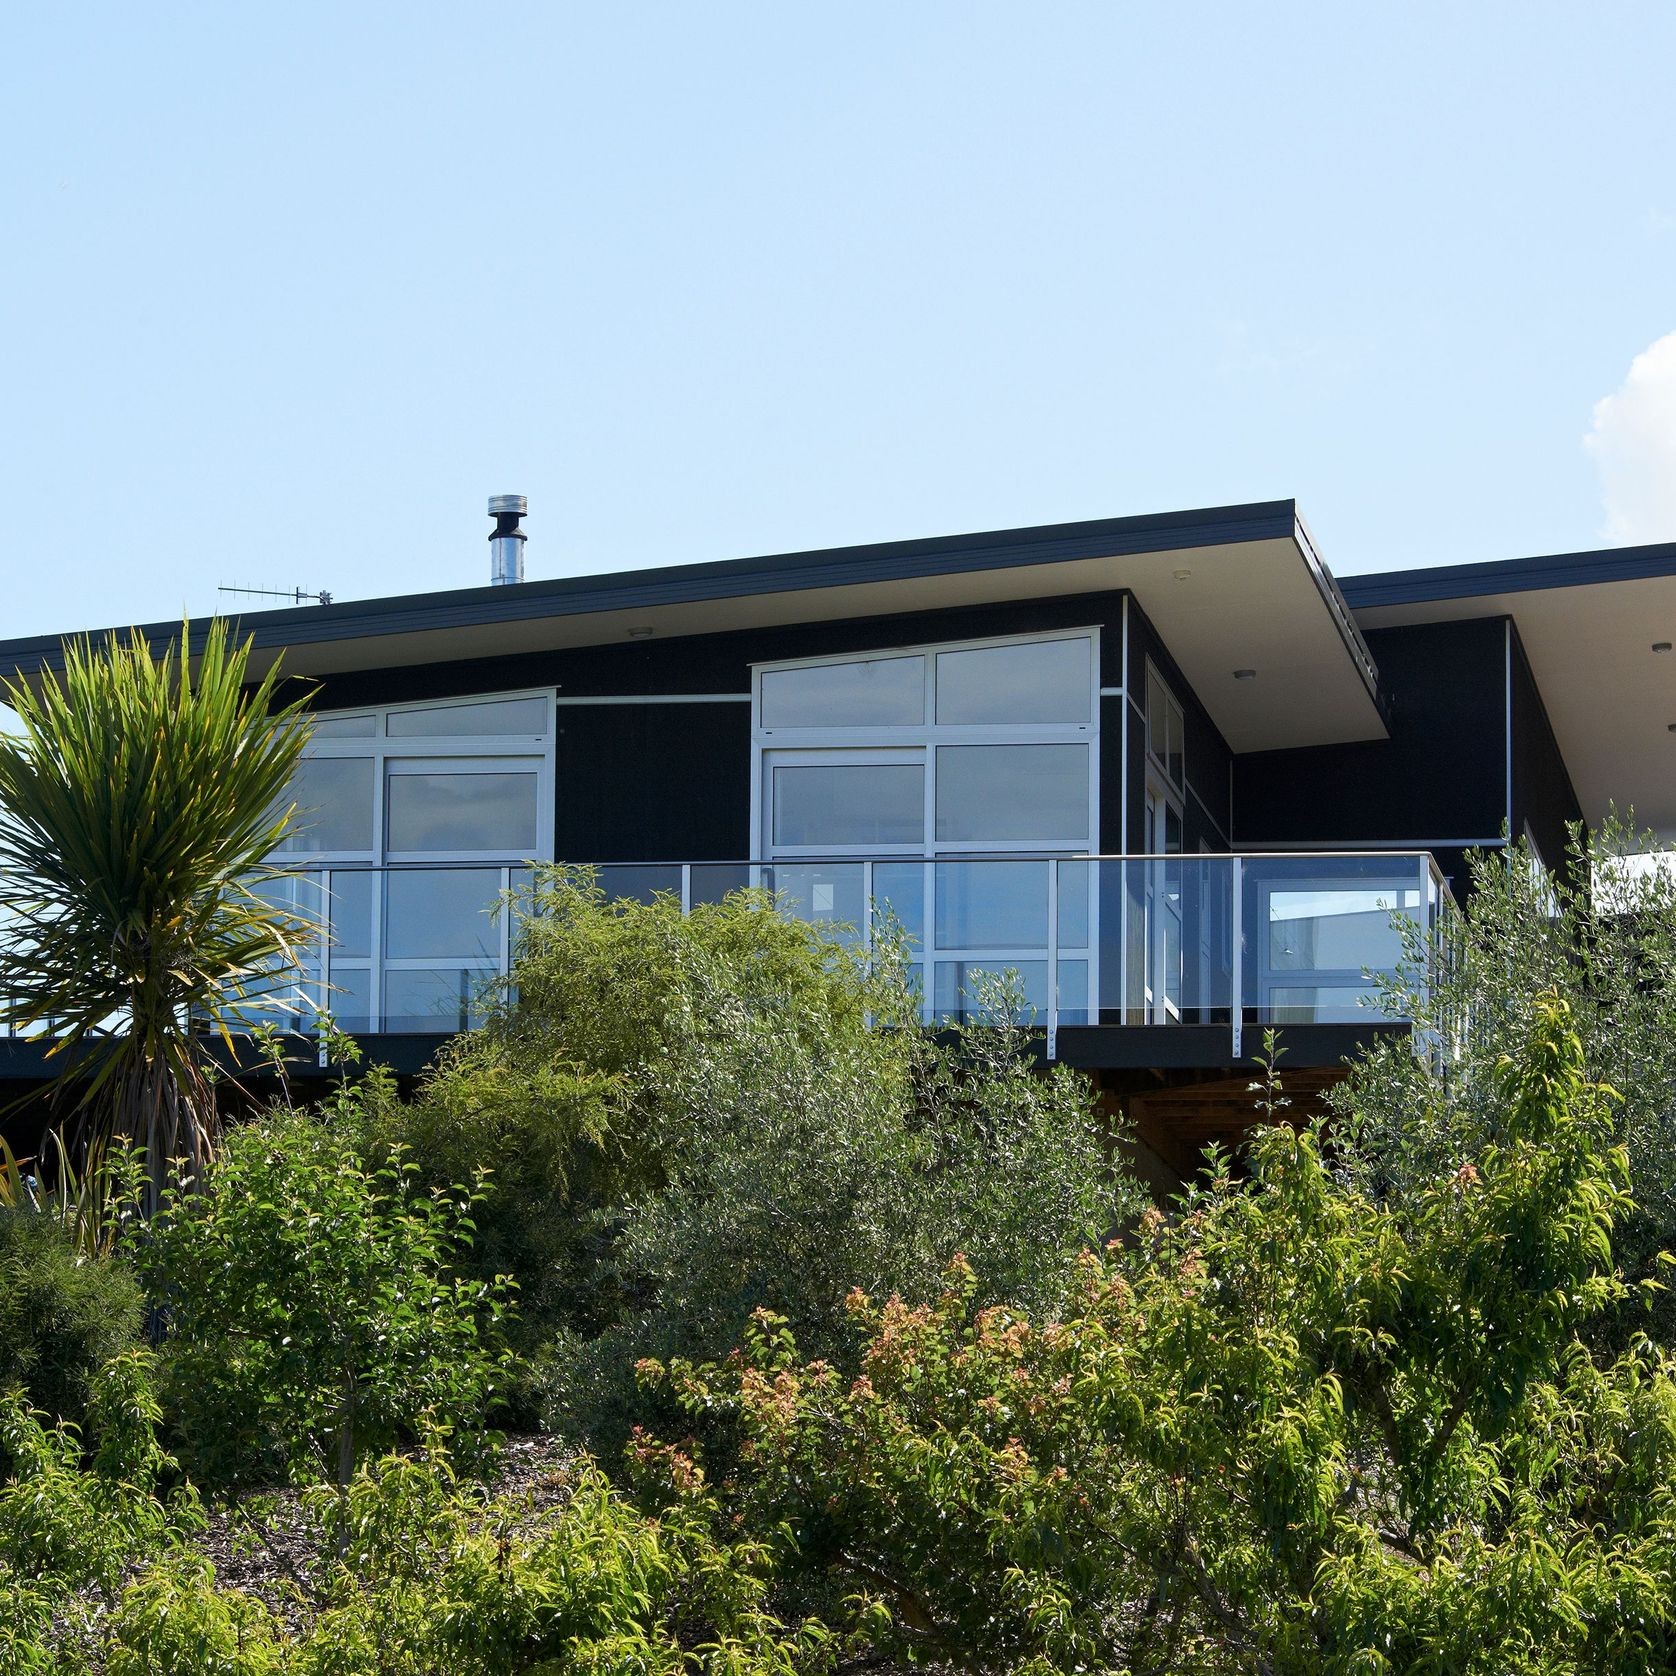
x=1165 y=729
x=1026 y=794
x=411 y=945
x=870 y=692
x=442 y=811
x=967 y=757
x=838 y=805
x=334 y=798
x=1038 y=681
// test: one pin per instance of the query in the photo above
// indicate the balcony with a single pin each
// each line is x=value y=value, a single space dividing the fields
x=1213 y=946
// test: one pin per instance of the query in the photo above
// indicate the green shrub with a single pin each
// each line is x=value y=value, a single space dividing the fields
x=77 y=1509
x=172 y=1620
x=1600 y=933
x=1292 y=1430
x=571 y=1097
x=418 y=1573
x=314 y=1311
x=62 y=1315
x=804 y=1174
x=687 y=1116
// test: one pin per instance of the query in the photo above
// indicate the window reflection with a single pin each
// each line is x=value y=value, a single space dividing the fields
x=1042 y=681
x=445 y=812
x=872 y=692
x=334 y=806
x=1012 y=794
x=818 y=805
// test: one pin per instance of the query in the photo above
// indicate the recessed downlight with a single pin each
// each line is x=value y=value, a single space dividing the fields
x=1661 y=645
x=1181 y=575
x=1245 y=674
x=640 y=634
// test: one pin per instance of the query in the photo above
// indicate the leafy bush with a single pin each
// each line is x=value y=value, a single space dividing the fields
x=62 y=1315
x=1292 y=1431
x=568 y=1096
x=314 y=1315
x=688 y=1116
x=418 y=1574
x=805 y=1174
x=1601 y=934
x=71 y=1521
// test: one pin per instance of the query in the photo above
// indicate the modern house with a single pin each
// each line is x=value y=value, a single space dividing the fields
x=1165 y=768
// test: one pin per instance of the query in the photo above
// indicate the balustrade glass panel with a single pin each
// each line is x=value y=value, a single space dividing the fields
x=350 y=911
x=349 y=1000
x=1075 y=881
x=992 y=904
x=832 y=895
x=899 y=898
x=715 y=881
x=638 y=881
x=1073 y=992
x=965 y=990
x=439 y=913
x=1322 y=1004
x=420 y=1001
x=1337 y=928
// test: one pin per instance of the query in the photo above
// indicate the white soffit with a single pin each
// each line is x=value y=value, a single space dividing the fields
x=1241 y=605
x=1610 y=697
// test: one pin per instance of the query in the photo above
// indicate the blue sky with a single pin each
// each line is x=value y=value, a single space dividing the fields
x=286 y=292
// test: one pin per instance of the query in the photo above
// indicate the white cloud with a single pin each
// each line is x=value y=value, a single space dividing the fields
x=1633 y=442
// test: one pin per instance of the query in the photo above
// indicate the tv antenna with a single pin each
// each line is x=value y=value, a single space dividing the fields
x=297 y=596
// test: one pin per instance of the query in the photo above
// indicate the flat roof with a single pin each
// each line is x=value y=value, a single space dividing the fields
x=1231 y=587
x=1588 y=623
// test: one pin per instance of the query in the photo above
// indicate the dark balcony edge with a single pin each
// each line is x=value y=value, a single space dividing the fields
x=1180 y=1047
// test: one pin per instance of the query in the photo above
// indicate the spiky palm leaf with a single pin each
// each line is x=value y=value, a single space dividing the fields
x=138 y=806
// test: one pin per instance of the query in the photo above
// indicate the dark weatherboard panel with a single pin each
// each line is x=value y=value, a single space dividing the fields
x=1439 y=782
x=654 y=782
x=1543 y=797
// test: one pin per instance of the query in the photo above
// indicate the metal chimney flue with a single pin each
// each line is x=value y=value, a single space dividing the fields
x=506 y=543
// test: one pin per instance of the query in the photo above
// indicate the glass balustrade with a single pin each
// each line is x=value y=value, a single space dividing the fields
x=1243 y=942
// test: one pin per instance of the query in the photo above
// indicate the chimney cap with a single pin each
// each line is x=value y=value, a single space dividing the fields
x=503 y=506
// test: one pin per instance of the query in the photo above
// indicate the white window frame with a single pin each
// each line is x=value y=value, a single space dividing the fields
x=437 y=753
x=773 y=747
x=928 y=733
x=1174 y=710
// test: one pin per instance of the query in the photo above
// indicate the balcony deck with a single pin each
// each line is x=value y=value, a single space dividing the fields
x=1122 y=962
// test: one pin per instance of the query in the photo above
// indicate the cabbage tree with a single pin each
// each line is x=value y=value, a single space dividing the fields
x=138 y=802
